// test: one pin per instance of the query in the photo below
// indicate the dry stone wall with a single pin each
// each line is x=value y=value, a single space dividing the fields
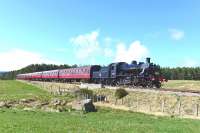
x=155 y=102
x=139 y=100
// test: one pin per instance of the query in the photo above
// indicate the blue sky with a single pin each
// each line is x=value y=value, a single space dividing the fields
x=99 y=32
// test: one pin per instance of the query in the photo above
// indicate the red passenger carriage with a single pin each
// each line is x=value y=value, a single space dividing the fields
x=75 y=73
x=53 y=74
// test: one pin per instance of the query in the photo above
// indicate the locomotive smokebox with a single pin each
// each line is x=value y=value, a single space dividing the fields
x=148 y=60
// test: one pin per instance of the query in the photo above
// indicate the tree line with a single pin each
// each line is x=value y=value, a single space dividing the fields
x=33 y=68
x=181 y=73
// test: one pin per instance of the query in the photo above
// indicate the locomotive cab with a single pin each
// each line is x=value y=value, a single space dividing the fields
x=113 y=70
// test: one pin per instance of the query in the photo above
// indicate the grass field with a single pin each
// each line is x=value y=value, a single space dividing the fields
x=182 y=84
x=105 y=120
x=10 y=89
x=15 y=90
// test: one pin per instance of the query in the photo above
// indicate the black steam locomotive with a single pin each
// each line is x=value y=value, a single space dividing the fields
x=145 y=74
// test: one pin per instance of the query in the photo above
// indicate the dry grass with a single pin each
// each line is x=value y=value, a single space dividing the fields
x=182 y=84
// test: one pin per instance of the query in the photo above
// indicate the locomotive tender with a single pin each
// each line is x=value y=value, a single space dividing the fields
x=145 y=74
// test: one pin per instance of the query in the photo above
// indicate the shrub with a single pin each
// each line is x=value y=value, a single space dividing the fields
x=86 y=92
x=120 y=93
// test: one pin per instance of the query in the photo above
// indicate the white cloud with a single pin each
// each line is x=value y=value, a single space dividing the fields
x=108 y=52
x=135 y=51
x=88 y=49
x=190 y=63
x=17 y=58
x=86 y=44
x=176 y=34
x=107 y=41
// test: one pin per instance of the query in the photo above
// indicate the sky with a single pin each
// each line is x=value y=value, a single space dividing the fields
x=99 y=32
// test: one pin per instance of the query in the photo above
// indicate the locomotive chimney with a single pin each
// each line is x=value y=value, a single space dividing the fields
x=148 y=60
x=134 y=62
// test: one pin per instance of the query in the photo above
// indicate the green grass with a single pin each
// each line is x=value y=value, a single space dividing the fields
x=15 y=90
x=182 y=84
x=105 y=120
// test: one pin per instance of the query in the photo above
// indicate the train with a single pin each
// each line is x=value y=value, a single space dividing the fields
x=136 y=74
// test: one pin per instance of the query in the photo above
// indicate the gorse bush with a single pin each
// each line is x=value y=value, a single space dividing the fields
x=86 y=92
x=120 y=93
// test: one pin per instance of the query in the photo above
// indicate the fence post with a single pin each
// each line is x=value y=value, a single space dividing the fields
x=58 y=90
x=179 y=108
x=149 y=107
x=137 y=103
x=197 y=110
x=129 y=102
x=163 y=105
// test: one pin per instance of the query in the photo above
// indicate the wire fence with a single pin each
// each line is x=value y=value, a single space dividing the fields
x=155 y=102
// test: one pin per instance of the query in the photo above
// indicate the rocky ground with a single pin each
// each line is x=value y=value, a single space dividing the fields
x=54 y=105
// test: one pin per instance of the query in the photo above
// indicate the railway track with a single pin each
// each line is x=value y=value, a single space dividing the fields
x=93 y=86
x=179 y=90
x=184 y=90
x=173 y=90
x=155 y=89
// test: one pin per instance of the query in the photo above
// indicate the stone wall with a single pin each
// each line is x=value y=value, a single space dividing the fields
x=153 y=102
x=139 y=100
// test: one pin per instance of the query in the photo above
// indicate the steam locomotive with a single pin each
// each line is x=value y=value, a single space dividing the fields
x=144 y=74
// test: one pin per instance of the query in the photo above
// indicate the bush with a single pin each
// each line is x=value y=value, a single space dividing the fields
x=86 y=92
x=120 y=93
